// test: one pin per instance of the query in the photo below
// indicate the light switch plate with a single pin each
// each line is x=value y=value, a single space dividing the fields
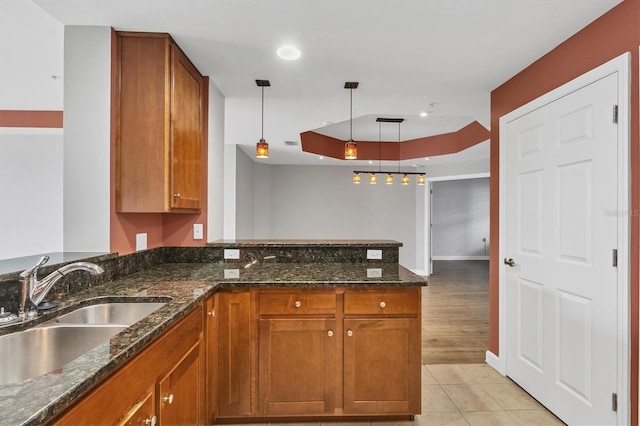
x=374 y=272
x=231 y=273
x=231 y=253
x=198 y=231
x=374 y=254
x=141 y=241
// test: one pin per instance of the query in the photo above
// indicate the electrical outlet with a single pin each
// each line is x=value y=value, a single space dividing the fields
x=374 y=254
x=231 y=254
x=198 y=231
x=141 y=241
x=231 y=273
x=374 y=272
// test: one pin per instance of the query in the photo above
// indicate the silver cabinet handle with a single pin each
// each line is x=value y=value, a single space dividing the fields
x=152 y=421
x=297 y=304
x=177 y=195
x=212 y=313
x=168 y=399
x=349 y=333
x=330 y=333
x=382 y=304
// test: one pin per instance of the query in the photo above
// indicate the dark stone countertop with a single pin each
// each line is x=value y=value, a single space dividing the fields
x=182 y=285
x=239 y=243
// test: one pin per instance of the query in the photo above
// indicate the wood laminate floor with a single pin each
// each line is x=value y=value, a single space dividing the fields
x=455 y=313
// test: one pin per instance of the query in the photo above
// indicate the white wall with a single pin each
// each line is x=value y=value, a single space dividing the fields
x=31 y=188
x=87 y=112
x=321 y=202
x=460 y=218
x=216 y=164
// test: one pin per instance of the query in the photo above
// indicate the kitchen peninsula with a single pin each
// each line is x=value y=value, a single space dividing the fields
x=284 y=330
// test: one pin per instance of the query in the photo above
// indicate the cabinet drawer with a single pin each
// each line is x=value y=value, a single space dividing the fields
x=297 y=303
x=382 y=303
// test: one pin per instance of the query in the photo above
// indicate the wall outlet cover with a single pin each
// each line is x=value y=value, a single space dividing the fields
x=374 y=254
x=374 y=272
x=198 y=231
x=231 y=273
x=141 y=241
x=232 y=253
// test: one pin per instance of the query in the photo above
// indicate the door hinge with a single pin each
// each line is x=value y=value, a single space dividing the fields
x=615 y=114
x=615 y=257
x=614 y=402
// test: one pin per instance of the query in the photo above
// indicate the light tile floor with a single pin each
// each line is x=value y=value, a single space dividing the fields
x=467 y=394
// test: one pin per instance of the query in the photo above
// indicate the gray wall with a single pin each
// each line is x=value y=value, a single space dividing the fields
x=306 y=202
x=460 y=218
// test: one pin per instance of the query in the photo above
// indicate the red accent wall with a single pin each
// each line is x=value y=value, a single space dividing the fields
x=163 y=229
x=611 y=35
x=28 y=118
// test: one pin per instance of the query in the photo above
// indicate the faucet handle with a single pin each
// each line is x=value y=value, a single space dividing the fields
x=30 y=271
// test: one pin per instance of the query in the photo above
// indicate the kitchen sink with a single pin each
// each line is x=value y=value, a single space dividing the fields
x=50 y=346
x=117 y=313
x=45 y=349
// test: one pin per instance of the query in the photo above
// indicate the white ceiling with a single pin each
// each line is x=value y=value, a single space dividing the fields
x=441 y=56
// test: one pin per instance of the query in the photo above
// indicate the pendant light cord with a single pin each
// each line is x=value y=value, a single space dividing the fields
x=379 y=145
x=398 y=147
x=262 y=130
x=350 y=115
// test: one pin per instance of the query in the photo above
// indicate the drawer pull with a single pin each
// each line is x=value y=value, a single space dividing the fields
x=212 y=313
x=297 y=304
x=177 y=195
x=382 y=304
x=150 y=421
x=330 y=333
x=349 y=333
x=168 y=399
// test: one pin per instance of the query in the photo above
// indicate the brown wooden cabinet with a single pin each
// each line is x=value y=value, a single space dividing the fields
x=135 y=394
x=211 y=359
x=298 y=369
x=143 y=413
x=236 y=354
x=179 y=393
x=159 y=126
x=321 y=353
x=382 y=352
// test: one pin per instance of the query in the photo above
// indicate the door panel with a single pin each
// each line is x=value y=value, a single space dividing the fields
x=561 y=300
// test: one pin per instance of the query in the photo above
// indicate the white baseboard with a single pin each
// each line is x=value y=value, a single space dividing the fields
x=495 y=362
x=420 y=272
x=460 y=257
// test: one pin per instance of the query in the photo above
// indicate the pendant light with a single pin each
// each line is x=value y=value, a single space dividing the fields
x=389 y=178
x=350 y=148
x=262 y=147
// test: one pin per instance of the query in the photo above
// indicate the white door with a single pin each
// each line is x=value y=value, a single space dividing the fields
x=561 y=232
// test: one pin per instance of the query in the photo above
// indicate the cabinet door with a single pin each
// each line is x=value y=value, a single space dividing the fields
x=186 y=132
x=382 y=366
x=143 y=414
x=235 y=334
x=180 y=400
x=211 y=360
x=298 y=371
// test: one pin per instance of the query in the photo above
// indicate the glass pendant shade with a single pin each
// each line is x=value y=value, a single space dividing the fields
x=262 y=149
x=422 y=179
x=350 y=151
x=356 y=178
x=373 y=179
x=405 y=179
x=389 y=179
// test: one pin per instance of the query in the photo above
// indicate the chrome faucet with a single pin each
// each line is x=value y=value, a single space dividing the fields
x=34 y=290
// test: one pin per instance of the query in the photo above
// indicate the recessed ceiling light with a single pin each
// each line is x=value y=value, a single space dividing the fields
x=370 y=162
x=288 y=52
x=424 y=114
x=427 y=158
x=321 y=158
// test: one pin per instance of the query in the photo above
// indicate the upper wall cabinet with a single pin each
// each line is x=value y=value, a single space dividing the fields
x=159 y=126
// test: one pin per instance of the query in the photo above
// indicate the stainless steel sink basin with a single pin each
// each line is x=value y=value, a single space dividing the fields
x=50 y=346
x=116 y=313
x=44 y=349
